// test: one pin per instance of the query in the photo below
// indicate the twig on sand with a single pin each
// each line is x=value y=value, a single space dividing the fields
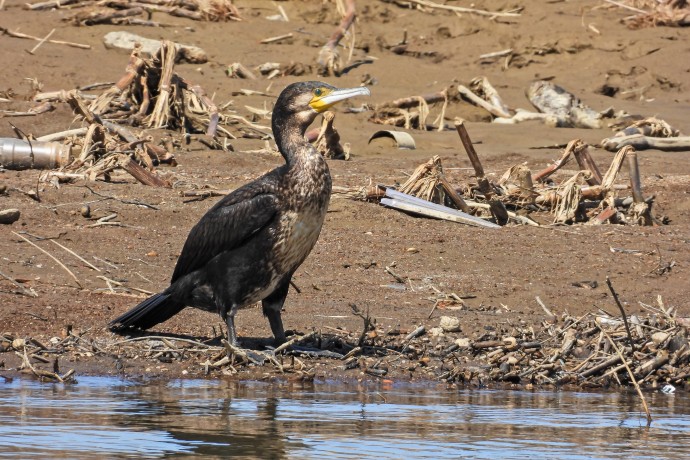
x=16 y=34
x=368 y=323
x=117 y=283
x=461 y=9
x=89 y=264
x=76 y=280
x=23 y=290
x=627 y=7
x=43 y=40
x=620 y=307
x=160 y=337
x=293 y=341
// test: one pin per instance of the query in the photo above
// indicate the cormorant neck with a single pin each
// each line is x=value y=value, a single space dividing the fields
x=288 y=131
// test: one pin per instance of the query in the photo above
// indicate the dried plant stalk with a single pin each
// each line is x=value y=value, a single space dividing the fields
x=569 y=195
x=161 y=112
x=133 y=68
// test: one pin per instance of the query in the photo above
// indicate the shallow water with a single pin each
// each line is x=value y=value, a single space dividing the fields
x=116 y=418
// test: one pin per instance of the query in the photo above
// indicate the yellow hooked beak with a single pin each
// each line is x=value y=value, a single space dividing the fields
x=325 y=98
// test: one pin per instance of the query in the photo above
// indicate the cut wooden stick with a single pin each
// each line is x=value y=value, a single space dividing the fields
x=141 y=174
x=52 y=257
x=498 y=209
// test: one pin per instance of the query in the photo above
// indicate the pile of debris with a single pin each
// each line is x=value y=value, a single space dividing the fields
x=594 y=350
x=91 y=12
x=120 y=122
x=587 y=197
x=555 y=107
x=654 y=13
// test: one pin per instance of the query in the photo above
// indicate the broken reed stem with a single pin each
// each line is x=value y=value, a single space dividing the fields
x=611 y=174
x=211 y=107
x=133 y=68
x=328 y=58
x=556 y=165
x=620 y=307
x=635 y=181
x=586 y=163
x=630 y=373
x=52 y=257
x=345 y=23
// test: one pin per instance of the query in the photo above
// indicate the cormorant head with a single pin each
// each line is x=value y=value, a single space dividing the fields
x=304 y=100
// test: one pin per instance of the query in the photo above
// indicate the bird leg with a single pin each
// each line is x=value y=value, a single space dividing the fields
x=272 y=306
x=232 y=333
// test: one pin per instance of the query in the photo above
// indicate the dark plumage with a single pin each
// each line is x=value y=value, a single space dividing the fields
x=248 y=245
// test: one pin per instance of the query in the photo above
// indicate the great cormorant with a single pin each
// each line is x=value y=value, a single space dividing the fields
x=248 y=245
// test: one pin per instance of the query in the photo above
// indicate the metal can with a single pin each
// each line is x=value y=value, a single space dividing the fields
x=23 y=154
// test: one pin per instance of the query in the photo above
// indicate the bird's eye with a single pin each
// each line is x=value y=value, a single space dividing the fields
x=318 y=92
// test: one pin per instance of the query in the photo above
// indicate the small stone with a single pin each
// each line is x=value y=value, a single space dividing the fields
x=463 y=342
x=85 y=211
x=9 y=216
x=450 y=324
x=18 y=344
x=152 y=254
x=436 y=332
x=659 y=337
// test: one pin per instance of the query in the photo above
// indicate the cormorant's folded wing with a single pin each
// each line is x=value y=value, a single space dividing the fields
x=226 y=226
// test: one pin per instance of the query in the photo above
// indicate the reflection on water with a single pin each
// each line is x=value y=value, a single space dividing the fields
x=116 y=418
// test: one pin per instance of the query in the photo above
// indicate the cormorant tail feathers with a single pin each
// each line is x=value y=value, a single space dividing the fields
x=148 y=313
